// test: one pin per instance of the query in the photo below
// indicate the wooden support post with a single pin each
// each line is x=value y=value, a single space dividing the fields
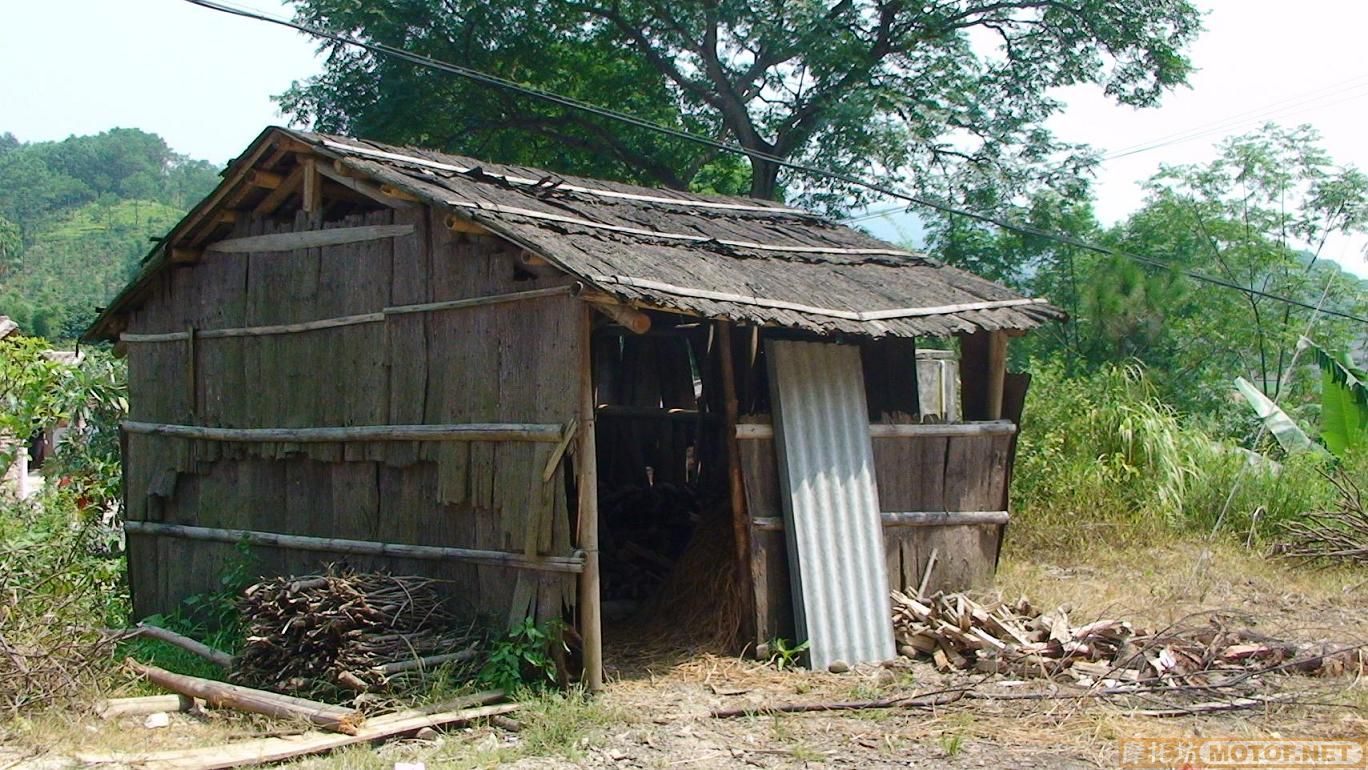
x=313 y=187
x=997 y=373
x=586 y=471
x=736 y=484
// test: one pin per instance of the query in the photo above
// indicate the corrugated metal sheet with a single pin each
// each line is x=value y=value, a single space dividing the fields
x=831 y=502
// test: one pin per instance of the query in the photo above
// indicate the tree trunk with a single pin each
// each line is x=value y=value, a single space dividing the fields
x=764 y=178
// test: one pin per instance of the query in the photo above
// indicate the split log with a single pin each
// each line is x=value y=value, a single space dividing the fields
x=142 y=705
x=221 y=695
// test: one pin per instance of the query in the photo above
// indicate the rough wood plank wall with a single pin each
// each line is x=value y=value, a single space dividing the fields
x=506 y=362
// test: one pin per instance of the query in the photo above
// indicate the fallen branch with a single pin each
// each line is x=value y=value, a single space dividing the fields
x=263 y=750
x=220 y=694
x=221 y=659
x=924 y=700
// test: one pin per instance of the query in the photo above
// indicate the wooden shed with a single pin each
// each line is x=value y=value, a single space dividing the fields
x=514 y=380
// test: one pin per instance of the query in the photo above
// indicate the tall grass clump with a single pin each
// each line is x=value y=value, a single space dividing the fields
x=1102 y=459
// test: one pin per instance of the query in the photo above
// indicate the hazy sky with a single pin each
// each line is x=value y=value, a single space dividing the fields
x=203 y=80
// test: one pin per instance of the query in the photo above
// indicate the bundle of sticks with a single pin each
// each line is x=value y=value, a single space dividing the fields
x=958 y=633
x=358 y=631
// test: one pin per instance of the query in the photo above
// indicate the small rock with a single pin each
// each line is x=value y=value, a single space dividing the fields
x=488 y=744
x=159 y=719
x=838 y=667
x=885 y=677
x=426 y=734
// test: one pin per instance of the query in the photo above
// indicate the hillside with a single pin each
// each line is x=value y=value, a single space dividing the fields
x=76 y=216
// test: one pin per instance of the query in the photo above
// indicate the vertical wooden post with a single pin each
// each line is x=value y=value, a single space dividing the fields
x=997 y=372
x=740 y=516
x=313 y=187
x=586 y=472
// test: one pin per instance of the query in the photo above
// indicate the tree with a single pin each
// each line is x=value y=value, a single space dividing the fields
x=951 y=94
x=1259 y=216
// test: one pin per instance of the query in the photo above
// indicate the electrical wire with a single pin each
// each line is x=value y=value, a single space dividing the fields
x=622 y=117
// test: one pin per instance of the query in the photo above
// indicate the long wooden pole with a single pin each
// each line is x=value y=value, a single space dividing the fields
x=219 y=694
x=349 y=320
x=735 y=483
x=586 y=465
x=568 y=564
x=468 y=432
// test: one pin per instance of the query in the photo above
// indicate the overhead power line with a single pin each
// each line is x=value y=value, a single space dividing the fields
x=485 y=78
x=1355 y=88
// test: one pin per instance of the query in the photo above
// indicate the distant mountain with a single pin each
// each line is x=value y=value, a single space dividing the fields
x=76 y=217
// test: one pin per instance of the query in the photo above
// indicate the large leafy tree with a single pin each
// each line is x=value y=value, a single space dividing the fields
x=943 y=93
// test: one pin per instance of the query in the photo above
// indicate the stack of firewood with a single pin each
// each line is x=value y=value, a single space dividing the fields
x=356 y=631
x=958 y=633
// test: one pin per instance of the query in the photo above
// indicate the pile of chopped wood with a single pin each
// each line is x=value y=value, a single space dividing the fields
x=356 y=631
x=1015 y=639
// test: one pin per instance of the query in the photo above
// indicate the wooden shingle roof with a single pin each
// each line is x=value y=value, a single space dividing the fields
x=737 y=258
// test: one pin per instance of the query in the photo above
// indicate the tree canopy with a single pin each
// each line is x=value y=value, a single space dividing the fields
x=949 y=95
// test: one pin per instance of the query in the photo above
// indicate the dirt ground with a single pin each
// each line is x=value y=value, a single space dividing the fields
x=655 y=711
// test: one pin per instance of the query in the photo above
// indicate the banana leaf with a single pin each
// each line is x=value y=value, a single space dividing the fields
x=1290 y=437
x=1344 y=401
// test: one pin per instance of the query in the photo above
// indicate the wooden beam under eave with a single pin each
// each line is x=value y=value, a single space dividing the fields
x=290 y=185
x=216 y=200
x=264 y=179
x=459 y=224
x=395 y=192
x=183 y=256
x=360 y=186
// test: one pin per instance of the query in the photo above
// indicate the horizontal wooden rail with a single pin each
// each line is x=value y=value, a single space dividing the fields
x=348 y=320
x=758 y=430
x=569 y=564
x=492 y=431
x=653 y=413
x=493 y=299
x=908 y=519
x=308 y=239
